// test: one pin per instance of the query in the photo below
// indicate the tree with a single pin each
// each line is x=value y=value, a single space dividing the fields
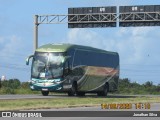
x=25 y=85
x=148 y=84
x=14 y=83
x=4 y=84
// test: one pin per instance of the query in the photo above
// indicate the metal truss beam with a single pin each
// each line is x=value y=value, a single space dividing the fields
x=52 y=19
x=77 y=18
x=98 y=18
x=139 y=17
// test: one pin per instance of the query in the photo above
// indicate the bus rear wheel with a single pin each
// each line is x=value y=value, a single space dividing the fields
x=104 y=92
x=45 y=93
x=73 y=90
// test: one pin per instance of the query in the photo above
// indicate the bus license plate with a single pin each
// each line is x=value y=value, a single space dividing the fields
x=44 y=89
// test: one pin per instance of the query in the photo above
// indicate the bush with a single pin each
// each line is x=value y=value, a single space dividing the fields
x=25 y=85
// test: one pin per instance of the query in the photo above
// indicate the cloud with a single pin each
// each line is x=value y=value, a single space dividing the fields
x=84 y=37
x=10 y=47
x=138 y=44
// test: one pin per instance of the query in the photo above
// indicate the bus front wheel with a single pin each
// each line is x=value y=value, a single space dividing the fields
x=72 y=91
x=45 y=93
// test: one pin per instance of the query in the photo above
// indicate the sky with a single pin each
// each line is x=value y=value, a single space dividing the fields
x=138 y=47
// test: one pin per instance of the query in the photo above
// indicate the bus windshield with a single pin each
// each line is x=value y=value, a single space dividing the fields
x=47 y=65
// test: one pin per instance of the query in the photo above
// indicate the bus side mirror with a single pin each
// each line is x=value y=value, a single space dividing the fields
x=27 y=60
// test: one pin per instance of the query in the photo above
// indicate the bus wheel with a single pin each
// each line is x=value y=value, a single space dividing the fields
x=104 y=92
x=45 y=93
x=72 y=91
x=80 y=93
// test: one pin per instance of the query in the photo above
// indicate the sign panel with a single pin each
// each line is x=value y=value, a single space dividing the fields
x=92 y=17
x=148 y=15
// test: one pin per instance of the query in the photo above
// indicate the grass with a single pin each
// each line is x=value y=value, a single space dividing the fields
x=29 y=104
x=4 y=91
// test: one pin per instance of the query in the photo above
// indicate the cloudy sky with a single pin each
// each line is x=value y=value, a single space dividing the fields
x=138 y=47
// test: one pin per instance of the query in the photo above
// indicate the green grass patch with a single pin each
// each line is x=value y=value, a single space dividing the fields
x=4 y=91
x=28 y=104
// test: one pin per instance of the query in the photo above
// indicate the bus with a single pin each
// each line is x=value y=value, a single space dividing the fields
x=73 y=69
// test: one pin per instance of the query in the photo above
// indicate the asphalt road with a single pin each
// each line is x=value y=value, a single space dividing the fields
x=66 y=96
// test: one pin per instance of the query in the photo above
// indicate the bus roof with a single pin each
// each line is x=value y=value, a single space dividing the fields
x=66 y=47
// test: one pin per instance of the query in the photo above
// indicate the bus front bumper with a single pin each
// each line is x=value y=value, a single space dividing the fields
x=56 y=87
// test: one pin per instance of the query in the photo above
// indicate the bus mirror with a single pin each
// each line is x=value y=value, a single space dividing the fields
x=27 y=60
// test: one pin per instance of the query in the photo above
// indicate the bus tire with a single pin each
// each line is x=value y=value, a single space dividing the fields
x=104 y=92
x=72 y=90
x=45 y=93
x=80 y=93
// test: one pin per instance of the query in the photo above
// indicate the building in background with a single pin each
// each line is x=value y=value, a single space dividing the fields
x=3 y=78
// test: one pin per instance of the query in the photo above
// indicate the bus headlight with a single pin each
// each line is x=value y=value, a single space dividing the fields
x=32 y=81
x=32 y=87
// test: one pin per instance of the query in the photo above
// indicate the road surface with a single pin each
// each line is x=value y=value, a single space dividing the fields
x=37 y=96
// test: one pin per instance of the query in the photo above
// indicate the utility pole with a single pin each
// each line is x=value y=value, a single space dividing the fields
x=35 y=32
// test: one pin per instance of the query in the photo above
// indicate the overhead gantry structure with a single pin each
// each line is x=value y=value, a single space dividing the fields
x=93 y=17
